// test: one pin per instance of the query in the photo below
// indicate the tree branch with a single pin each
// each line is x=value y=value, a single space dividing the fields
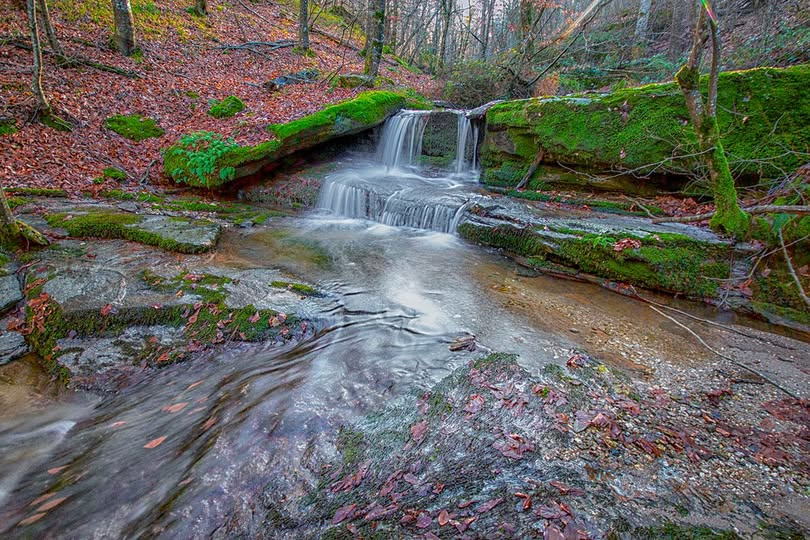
x=761 y=209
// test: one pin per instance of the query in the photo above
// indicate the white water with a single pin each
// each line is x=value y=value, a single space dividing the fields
x=394 y=191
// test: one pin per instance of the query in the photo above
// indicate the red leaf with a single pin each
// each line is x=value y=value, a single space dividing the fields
x=489 y=505
x=155 y=442
x=106 y=310
x=418 y=431
x=553 y=533
x=343 y=513
x=475 y=404
x=176 y=407
x=444 y=518
x=423 y=521
x=255 y=318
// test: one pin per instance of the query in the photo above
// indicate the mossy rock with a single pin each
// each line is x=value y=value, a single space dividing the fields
x=226 y=108
x=763 y=114
x=354 y=80
x=114 y=174
x=134 y=127
x=181 y=235
x=206 y=159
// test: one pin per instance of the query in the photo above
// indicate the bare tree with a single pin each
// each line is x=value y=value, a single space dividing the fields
x=303 y=26
x=43 y=106
x=45 y=16
x=374 y=54
x=124 y=27
x=728 y=217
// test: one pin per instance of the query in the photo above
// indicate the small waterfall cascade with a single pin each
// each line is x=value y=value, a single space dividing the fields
x=401 y=142
x=393 y=192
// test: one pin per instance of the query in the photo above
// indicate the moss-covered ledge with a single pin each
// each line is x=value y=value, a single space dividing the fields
x=209 y=160
x=764 y=117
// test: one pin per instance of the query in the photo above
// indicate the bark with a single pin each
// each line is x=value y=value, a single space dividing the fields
x=303 y=25
x=45 y=15
x=43 y=106
x=728 y=216
x=201 y=7
x=374 y=55
x=9 y=231
x=641 y=23
x=124 y=27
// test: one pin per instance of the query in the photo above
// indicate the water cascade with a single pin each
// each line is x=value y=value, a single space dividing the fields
x=392 y=190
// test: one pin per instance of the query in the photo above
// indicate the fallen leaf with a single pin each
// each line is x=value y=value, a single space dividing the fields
x=444 y=518
x=117 y=424
x=30 y=520
x=51 y=504
x=56 y=469
x=418 y=431
x=553 y=533
x=155 y=442
x=423 y=521
x=255 y=318
x=193 y=385
x=42 y=498
x=343 y=513
x=176 y=407
x=475 y=404
x=489 y=505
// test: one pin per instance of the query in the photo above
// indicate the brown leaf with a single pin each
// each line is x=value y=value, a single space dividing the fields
x=56 y=469
x=418 y=431
x=489 y=505
x=42 y=498
x=176 y=407
x=475 y=404
x=32 y=519
x=444 y=518
x=255 y=318
x=51 y=504
x=343 y=513
x=155 y=442
x=423 y=521
x=553 y=533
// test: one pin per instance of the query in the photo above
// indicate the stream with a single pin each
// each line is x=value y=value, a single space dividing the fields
x=188 y=450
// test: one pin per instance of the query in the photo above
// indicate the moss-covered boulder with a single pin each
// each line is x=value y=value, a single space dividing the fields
x=764 y=116
x=226 y=108
x=208 y=160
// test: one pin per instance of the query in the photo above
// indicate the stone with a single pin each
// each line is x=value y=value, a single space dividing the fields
x=12 y=346
x=193 y=235
x=10 y=292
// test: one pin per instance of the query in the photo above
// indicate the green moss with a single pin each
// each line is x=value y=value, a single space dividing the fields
x=761 y=113
x=350 y=442
x=672 y=263
x=306 y=290
x=206 y=159
x=114 y=173
x=8 y=126
x=38 y=192
x=15 y=202
x=134 y=127
x=226 y=108
x=110 y=225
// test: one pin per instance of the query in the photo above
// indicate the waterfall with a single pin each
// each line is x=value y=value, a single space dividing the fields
x=397 y=194
x=401 y=142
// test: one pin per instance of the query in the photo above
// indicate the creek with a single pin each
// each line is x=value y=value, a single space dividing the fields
x=188 y=450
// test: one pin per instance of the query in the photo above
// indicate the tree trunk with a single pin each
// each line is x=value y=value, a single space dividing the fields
x=641 y=26
x=9 y=230
x=374 y=55
x=43 y=107
x=728 y=216
x=124 y=27
x=303 y=25
x=49 y=31
x=201 y=7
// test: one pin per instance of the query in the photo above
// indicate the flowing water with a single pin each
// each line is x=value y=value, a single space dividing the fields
x=400 y=289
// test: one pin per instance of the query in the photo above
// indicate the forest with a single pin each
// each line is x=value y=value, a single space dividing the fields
x=405 y=269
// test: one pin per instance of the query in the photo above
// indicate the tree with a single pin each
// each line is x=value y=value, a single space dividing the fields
x=642 y=21
x=728 y=216
x=374 y=55
x=303 y=26
x=201 y=7
x=124 y=27
x=43 y=106
x=49 y=31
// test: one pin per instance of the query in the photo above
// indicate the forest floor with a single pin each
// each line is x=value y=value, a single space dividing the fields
x=185 y=64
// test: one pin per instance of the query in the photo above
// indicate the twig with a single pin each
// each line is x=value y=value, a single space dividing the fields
x=721 y=355
x=145 y=177
x=637 y=203
x=761 y=209
x=790 y=268
x=70 y=61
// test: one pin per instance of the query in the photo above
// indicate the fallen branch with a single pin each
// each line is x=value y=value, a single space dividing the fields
x=273 y=45
x=721 y=355
x=72 y=61
x=792 y=271
x=345 y=43
x=536 y=163
x=761 y=209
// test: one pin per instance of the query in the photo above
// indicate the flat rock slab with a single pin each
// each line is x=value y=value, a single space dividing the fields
x=12 y=346
x=194 y=236
x=10 y=292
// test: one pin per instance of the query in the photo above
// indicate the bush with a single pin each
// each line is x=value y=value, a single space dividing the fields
x=474 y=83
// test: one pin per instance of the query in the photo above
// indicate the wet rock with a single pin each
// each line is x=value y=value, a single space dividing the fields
x=192 y=236
x=10 y=292
x=12 y=346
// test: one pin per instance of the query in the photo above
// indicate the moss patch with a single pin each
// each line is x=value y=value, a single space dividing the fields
x=207 y=159
x=761 y=114
x=226 y=108
x=8 y=126
x=134 y=127
x=300 y=288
